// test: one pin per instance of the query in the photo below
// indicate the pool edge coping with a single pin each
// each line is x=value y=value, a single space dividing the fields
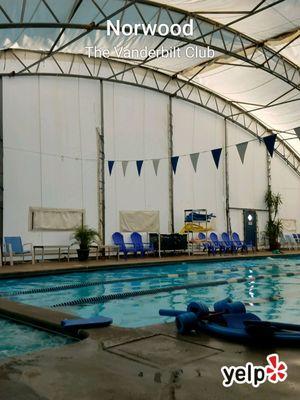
x=136 y=264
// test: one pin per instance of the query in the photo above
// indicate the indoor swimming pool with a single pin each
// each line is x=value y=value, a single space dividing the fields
x=133 y=296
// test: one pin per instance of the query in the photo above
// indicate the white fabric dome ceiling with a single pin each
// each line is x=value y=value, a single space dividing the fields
x=256 y=43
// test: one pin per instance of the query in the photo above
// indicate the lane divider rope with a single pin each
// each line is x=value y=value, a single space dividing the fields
x=114 y=296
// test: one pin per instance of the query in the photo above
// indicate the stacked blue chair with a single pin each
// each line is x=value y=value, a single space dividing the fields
x=229 y=244
x=217 y=243
x=207 y=246
x=139 y=246
x=125 y=248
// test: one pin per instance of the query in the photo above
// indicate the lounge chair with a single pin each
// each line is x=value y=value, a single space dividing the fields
x=229 y=243
x=239 y=244
x=13 y=246
x=294 y=240
x=217 y=243
x=139 y=246
x=125 y=248
x=207 y=246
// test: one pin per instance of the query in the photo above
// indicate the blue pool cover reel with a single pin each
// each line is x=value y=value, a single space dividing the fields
x=95 y=322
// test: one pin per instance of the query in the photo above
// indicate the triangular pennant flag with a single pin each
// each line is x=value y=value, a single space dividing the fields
x=139 y=165
x=174 y=162
x=297 y=131
x=216 y=153
x=194 y=159
x=241 y=148
x=110 y=166
x=124 y=167
x=270 y=143
x=155 y=165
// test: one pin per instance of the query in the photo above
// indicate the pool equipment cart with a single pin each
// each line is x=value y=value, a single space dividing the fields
x=230 y=320
x=196 y=221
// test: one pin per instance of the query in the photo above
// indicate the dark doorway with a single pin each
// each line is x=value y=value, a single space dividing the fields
x=250 y=227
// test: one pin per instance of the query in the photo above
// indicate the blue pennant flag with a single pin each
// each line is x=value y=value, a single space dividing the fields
x=270 y=143
x=216 y=153
x=139 y=165
x=110 y=166
x=174 y=162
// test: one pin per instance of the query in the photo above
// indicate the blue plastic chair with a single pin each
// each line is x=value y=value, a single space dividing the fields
x=13 y=246
x=217 y=243
x=118 y=240
x=229 y=243
x=207 y=246
x=239 y=244
x=139 y=246
x=296 y=237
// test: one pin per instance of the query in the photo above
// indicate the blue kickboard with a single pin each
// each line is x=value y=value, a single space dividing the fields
x=86 y=322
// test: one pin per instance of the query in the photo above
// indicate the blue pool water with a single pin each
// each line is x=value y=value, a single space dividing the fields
x=18 y=339
x=143 y=310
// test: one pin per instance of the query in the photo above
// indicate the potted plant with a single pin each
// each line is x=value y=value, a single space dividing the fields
x=274 y=226
x=84 y=236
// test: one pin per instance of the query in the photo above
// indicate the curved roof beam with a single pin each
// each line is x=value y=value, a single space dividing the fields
x=219 y=37
x=71 y=65
x=232 y=43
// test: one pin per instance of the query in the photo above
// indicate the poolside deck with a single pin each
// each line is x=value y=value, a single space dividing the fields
x=151 y=363
x=54 y=267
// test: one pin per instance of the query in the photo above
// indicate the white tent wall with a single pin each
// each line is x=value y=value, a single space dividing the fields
x=287 y=183
x=135 y=128
x=49 y=151
x=196 y=130
x=50 y=157
x=248 y=182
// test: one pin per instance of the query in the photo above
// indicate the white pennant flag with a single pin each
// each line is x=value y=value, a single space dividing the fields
x=155 y=165
x=124 y=167
x=194 y=159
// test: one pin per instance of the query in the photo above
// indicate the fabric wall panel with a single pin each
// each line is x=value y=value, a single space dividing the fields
x=53 y=132
x=248 y=181
x=196 y=129
x=22 y=183
x=59 y=113
x=21 y=114
x=136 y=126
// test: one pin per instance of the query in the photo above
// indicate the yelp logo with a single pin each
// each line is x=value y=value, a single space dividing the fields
x=275 y=371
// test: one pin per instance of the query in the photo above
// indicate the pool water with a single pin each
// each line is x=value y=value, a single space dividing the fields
x=16 y=339
x=275 y=297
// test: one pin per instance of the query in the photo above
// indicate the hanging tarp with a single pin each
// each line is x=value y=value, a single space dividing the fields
x=55 y=219
x=139 y=221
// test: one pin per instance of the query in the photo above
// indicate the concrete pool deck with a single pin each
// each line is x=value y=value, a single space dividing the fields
x=151 y=363
x=54 y=267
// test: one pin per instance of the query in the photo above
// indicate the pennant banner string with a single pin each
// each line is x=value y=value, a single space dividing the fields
x=269 y=142
x=180 y=155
